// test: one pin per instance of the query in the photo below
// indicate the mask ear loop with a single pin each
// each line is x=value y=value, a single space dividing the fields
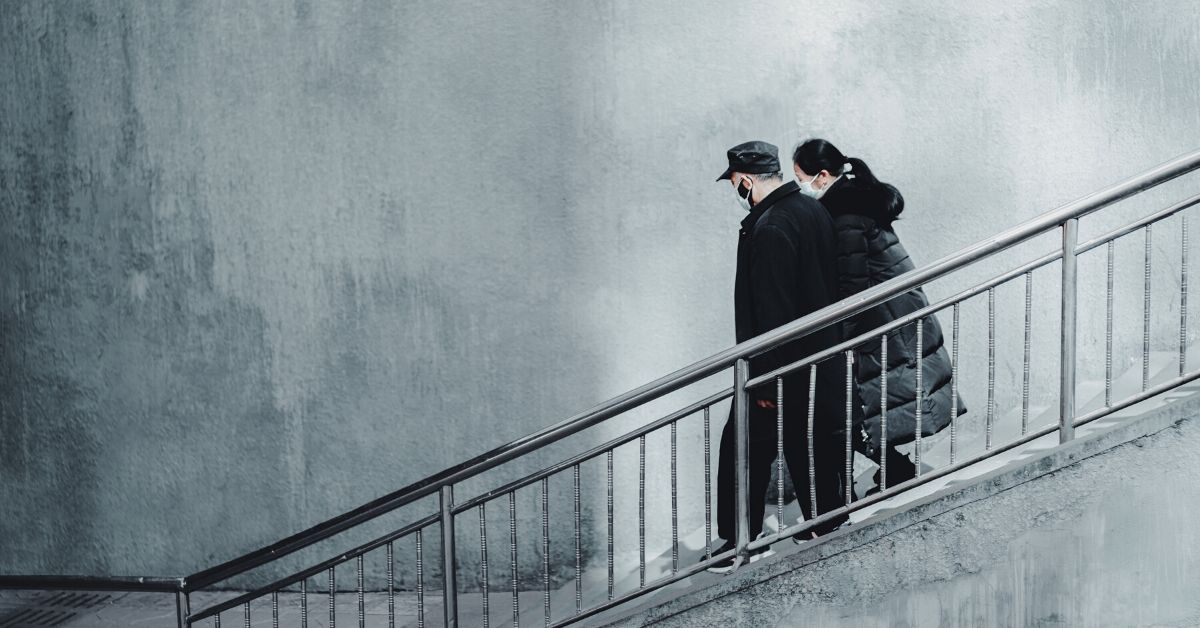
x=828 y=182
x=749 y=187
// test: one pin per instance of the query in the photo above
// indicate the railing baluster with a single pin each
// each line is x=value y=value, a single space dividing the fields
x=1146 y=317
x=611 y=571
x=546 y=547
x=1028 y=349
x=707 y=486
x=741 y=410
x=1183 y=293
x=642 y=511
x=578 y=545
x=304 y=603
x=246 y=606
x=483 y=562
x=420 y=583
x=779 y=452
x=1066 y=382
x=674 y=498
x=920 y=394
x=1108 y=327
x=849 y=426
x=449 y=569
x=332 y=596
x=812 y=467
x=954 y=385
x=275 y=609
x=883 y=404
x=217 y=620
x=991 y=387
x=512 y=555
x=391 y=584
x=362 y=606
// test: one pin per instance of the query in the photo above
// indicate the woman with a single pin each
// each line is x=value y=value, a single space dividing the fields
x=870 y=253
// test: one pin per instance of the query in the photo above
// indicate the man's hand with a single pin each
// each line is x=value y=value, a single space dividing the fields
x=764 y=403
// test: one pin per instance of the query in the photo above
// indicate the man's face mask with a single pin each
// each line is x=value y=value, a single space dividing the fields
x=744 y=200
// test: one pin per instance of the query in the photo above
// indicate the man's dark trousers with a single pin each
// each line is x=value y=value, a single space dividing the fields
x=829 y=448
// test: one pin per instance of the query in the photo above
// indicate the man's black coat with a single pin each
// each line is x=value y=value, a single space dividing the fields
x=787 y=268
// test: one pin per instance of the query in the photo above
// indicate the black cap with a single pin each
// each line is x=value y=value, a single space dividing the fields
x=752 y=158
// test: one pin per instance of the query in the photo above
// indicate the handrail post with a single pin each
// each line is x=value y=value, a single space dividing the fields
x=741 y=417
x=1066 y=406
x=449 y=574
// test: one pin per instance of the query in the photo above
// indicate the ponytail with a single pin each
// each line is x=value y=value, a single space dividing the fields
x=886 y=194
x=815 y=155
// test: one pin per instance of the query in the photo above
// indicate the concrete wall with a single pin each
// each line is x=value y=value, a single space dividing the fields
x=263 y=263
x=1098 y=533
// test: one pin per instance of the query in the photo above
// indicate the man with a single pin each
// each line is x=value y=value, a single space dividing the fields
x=786 y=268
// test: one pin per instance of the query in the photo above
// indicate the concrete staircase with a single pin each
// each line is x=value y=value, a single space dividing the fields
x=936 y=453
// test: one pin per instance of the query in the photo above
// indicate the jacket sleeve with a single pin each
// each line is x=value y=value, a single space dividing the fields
x=775 y=286
x=852 y=259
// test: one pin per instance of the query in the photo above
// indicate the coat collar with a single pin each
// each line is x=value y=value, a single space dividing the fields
x=761 y=208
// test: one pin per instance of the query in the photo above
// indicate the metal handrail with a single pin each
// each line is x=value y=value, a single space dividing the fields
x=593 y=452
x=699 y=370
x=315 y=569
x=1137 y=224
x=907 y=319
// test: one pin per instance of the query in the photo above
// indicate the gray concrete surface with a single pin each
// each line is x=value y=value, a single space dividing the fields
x=264 y=263
x=1094 y=533
x=83 y=609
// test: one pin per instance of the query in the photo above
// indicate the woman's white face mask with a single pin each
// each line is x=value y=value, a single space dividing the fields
x=807 y=189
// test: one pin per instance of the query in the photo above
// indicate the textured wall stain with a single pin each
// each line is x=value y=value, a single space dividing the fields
x=262 y=264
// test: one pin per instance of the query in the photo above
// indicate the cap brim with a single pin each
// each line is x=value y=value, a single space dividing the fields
x=727 y=174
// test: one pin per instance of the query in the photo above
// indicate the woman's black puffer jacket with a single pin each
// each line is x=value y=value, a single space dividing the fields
x=870 y=253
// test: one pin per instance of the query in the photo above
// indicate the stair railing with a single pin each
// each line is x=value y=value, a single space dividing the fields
x=441 y=525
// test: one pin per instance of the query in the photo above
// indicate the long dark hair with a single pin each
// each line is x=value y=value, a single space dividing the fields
x=815 y=155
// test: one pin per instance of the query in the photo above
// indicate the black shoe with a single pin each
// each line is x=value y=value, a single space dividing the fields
x=726 y=566
x=821 y=530
x=900 y=470
x=803 y=537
